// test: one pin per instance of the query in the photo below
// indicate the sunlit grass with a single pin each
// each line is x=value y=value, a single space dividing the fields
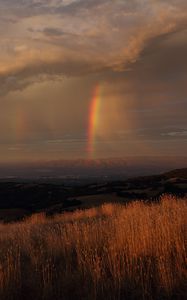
x=109 y=252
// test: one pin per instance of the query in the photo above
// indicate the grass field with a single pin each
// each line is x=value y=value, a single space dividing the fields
x=113 y=251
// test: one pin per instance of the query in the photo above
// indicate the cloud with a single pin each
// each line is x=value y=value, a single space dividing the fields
x=53 y=31
x=176 y=133
x=84 y=36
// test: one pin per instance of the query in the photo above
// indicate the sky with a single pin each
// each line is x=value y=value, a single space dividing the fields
x=92 y=79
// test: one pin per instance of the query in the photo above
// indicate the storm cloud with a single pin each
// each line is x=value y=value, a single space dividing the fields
x=73 y=38
x=55 y=52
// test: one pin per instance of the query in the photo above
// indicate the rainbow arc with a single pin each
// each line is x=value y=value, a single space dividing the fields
x=94 y=120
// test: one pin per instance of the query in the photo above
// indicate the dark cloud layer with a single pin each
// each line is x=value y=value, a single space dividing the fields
x=83 y=36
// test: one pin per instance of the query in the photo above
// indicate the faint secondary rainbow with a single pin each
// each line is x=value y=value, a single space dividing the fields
x=94 y=120
x=20 y=125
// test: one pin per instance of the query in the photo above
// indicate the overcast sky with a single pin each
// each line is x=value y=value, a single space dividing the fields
x=53 y=53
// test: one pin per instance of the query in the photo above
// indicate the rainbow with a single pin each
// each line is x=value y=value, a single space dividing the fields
x=94 y=120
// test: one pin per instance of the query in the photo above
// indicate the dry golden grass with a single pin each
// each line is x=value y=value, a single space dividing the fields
x=110 y=252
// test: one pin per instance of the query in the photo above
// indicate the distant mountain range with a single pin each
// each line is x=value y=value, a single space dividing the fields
x=113 y=168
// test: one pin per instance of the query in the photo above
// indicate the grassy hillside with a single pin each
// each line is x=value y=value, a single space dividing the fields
x=109 y=252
